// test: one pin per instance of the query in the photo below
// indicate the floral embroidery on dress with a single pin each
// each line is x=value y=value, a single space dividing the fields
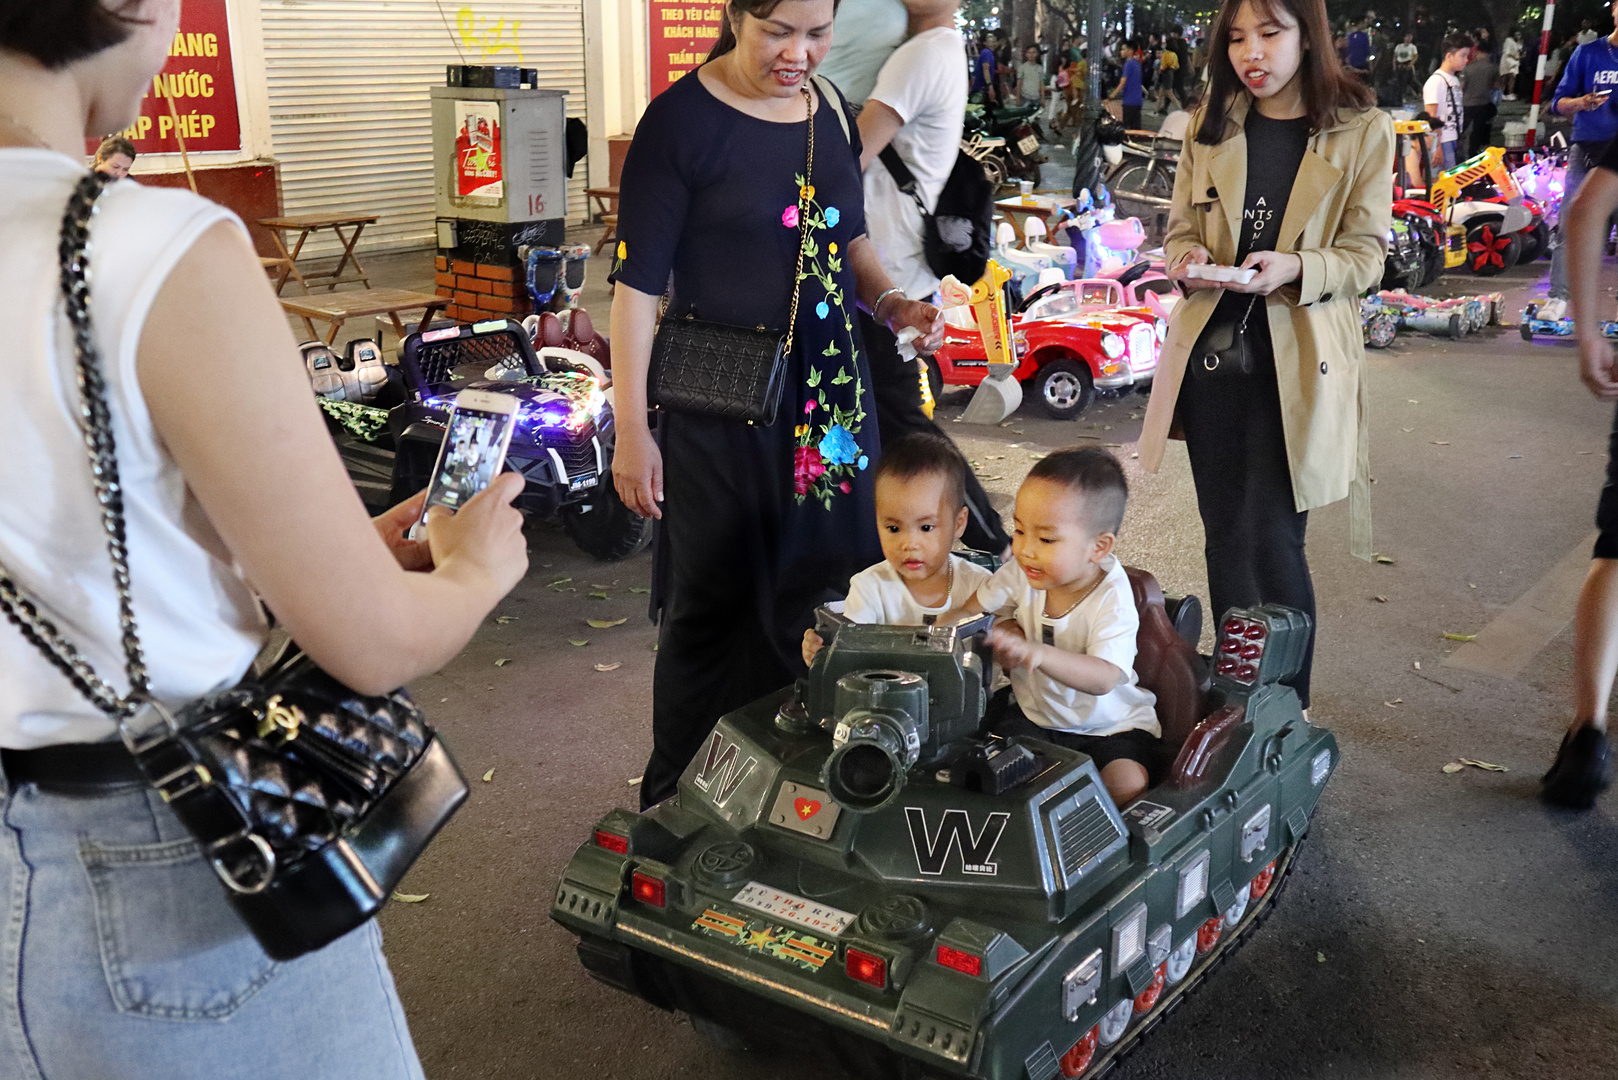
x=619 y=254
x=828 y=455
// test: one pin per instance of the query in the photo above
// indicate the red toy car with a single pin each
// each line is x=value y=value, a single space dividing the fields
x=1071 y=338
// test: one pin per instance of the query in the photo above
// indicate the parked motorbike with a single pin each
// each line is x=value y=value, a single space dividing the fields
x=1017 y=126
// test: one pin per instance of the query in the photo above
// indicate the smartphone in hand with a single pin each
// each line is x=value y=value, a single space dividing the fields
x=474 y=448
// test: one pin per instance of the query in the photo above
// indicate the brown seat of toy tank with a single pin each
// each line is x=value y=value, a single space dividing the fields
x=552 y=335
x=1165 y=664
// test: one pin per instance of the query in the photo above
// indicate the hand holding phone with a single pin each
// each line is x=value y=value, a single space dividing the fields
x=474 y=448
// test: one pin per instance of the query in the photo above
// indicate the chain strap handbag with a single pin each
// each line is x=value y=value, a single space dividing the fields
x=731 y=372
x=310 y=800
x=1222 y=349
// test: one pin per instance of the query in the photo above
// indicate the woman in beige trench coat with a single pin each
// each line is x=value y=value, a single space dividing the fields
x=1289 y=173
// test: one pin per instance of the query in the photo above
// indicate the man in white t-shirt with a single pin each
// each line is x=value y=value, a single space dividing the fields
x=1442 y=97
x=918 y=107
x=863 y=36
x=1587 y=33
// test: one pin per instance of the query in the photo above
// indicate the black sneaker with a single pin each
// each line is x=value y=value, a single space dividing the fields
x=1579 y=772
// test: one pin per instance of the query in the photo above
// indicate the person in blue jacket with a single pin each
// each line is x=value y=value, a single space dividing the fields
x=1584 y=92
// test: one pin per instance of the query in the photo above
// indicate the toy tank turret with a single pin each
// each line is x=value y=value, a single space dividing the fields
x=853 y=856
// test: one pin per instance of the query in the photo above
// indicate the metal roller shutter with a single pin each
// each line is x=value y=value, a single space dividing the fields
x=349 y=112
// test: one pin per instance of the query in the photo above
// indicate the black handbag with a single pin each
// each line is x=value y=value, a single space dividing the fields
x=730 y=372
x=309 y=799
x=1222 y=349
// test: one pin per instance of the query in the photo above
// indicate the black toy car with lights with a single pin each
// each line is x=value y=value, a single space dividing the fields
x=562 y=445
x=852 y=859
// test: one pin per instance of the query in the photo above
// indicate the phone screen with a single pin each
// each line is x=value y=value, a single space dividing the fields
x=474 y=449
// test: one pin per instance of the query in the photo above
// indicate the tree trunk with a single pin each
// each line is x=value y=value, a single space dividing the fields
x=1024 y=29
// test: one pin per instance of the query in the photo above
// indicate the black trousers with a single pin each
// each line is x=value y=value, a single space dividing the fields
x=1478 y=124
x=1254 y=536
x=898 y=412
x=1132 y=117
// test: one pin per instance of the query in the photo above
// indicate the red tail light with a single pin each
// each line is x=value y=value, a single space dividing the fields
x=1255 y=631
x=1233 y=626
x=867 y=968
x=964 y=962
x=612 y=841
x=647 y=889
x=1225 y=667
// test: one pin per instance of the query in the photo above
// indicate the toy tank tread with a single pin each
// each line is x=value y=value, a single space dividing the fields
x=852 y=860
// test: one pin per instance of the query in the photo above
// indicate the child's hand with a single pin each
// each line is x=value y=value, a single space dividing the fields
x=812 y=644
x=1012 y=649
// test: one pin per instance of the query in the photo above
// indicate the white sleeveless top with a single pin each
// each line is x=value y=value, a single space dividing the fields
x=199 y=623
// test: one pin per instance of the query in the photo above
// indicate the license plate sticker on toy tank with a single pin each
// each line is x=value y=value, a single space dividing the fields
x=758 y=936
x=820 y=918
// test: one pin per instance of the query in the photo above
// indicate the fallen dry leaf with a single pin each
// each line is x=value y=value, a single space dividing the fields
x=1436 y=442
x=488 y=776
x=1384 y=560
x=503 y=661
x=410 y=898
x=1454 y=767
x=600 y=596
x=1320 y=958
x=1459 y=637
x=1476 y=764
x=1395 y=703
x=1417 y=665
x=578 y=641
x=558 y=581
x=614 y=666
x=1407 y=429
x=503 y=619
x=1469 y=585
x=634 y=781
x=1381 y=599
x=1413 y=401
x=638 y=589
x=603 y=624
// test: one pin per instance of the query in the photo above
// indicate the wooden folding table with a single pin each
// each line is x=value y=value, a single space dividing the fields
x=312 y=223
x=338 y=308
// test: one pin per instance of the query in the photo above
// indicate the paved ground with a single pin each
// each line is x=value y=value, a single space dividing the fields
x=1439 y=925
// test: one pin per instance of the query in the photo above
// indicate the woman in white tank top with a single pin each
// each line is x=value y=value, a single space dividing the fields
x=120 y=956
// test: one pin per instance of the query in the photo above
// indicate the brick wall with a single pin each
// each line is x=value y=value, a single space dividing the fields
x=478 y=291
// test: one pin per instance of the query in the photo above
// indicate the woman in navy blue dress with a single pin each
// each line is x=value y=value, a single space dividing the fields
x=759 y=523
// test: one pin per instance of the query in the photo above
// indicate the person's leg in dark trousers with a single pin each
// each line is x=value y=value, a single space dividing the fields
x=897 y=388
x=1254 y=536
x=1132 y=117
x=714 y=653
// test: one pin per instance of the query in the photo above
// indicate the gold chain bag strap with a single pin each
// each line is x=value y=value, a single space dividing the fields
x=310 y=800
x=731 y=372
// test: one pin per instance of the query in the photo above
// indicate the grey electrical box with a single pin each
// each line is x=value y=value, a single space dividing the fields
x=499 y=155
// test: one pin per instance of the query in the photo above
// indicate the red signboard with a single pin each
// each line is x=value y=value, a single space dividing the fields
x=202 y=80
x=681 y=35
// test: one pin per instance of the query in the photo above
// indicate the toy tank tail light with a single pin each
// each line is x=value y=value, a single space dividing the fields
x=866 y=968
x=1320 y=768
x=964 y=962
x=612 y=841
x=648 y=889
x=1226 y=667
x=1246 y=673
x=1112 y=345
x=1255 y=632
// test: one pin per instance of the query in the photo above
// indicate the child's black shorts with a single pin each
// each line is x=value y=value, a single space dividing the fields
x=1607 y=507
x=1006 y=719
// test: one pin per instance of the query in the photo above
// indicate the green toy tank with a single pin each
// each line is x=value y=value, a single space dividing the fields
x=850 y=857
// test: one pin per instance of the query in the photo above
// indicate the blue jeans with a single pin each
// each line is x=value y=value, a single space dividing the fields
x=1448 y=146
x=120 y=959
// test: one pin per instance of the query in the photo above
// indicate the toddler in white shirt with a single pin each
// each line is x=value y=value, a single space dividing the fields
x=920 y=513
x=1068 y=621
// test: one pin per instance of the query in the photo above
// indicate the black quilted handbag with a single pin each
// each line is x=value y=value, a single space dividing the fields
x=309 y=799
x=732 y=372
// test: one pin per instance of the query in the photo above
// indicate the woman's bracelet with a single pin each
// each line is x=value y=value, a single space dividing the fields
x=876 y=306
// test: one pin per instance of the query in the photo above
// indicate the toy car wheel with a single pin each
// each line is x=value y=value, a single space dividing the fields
x=1064 y=389
x=1261 y=883
x=1178 y=965
x=1536 y=242
x=1078 y=1058
x=1489 y=251
x=1457 y=327
x=1147 y=998
x=604 y=527
x=1208 y=934
x=1527 y=332
x=1116 y=1022
x=1238 y=907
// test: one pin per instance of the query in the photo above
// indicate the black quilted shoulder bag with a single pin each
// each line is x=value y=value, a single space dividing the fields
x=731 y=372
x=310 y=800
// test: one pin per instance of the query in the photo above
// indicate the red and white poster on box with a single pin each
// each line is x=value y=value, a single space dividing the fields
x=681 y=36
x=478 y=169
x=202 y=80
